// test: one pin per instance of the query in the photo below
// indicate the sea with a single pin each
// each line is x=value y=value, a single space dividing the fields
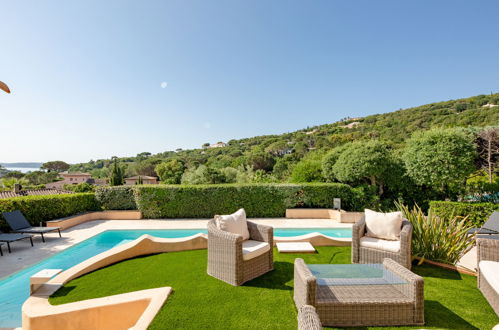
x=23 y=169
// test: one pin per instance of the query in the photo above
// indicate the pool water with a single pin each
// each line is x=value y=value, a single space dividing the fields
x=14 y=290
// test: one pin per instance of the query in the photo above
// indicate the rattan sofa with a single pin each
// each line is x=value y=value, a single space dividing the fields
x=366 y=305
x=369 y=255
x=488 y=266
x=225 y=254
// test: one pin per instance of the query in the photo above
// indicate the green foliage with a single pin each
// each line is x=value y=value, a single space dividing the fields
x=441 y=158
x=48 y=207
x=202 y=175
x=55 y=166
x=362 y=162
x=475 y=213
x=116 y=198
x=41 y=177
x=329 y=160
x=170 y=172
x=80 y=187
x=437 y=238
x=307 y=170
x=117 y=174
x=259 y=200
x=261 y=161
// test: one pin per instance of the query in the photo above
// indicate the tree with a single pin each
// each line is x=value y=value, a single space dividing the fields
x=261 y=161
x=363 y=162
x=329 y=160
x=307 y=170
x=440 y=158
x=202 y=175
x=170 y=172
x=205 y=145
x=116 y=178
x=488 y=151
x=55 y=166
x=279 y=148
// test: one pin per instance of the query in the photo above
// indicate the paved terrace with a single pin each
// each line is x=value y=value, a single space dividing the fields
x=23 y=255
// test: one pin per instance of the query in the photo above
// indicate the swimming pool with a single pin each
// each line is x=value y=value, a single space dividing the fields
x=14 y=290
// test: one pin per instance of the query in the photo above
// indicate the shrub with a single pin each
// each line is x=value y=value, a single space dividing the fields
x=259 y=200
x=476 y=213
x=307 y=170
x=116 y=198
x=48 y=207
x=80 y=187
x=438 y=239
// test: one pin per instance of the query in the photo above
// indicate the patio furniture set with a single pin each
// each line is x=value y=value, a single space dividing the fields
x=378 y=288
x=21 y=229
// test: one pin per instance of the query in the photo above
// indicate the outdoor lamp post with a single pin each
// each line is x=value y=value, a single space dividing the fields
x=4 y=87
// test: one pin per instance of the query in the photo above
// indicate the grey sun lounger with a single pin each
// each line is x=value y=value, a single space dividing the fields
x=491 y=227
x=9 y=238
x=19 y=224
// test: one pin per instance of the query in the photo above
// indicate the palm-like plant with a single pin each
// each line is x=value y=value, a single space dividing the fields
x=438 y=239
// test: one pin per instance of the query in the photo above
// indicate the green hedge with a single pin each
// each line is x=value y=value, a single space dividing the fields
x=48 y=207
x=116 y=198
x=477 y=213
x=259 y=200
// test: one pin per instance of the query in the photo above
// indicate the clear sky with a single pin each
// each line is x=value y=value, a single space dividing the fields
x=93 y=79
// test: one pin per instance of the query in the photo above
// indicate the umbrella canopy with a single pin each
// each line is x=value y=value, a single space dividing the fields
x=4 y=87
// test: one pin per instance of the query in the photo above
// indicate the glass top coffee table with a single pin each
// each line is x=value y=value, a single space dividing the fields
x=354 y=274
x=360 y=294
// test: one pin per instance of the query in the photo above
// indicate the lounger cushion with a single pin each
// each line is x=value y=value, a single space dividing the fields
x=489 y=270
x=253 y=249
x=380 y=244
x=383 y=225
x=234 y=223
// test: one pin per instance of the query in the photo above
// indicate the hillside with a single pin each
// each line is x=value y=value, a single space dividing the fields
x=278 y=153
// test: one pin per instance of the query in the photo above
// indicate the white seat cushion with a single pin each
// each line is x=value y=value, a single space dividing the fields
x=489 y=269
x=253 y=249
x=383 y=225
x=380 y=244
x=234 y=223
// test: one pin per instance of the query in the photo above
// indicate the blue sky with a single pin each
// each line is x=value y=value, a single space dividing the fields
x=86 y=76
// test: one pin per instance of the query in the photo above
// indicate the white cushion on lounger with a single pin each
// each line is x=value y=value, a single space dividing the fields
x=380 y=244
x=234 y=223
x=490 y=270
x=252 y=249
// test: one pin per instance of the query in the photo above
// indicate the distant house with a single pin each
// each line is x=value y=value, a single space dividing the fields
x=218 y=145
x=70 y=178
x=144 y=178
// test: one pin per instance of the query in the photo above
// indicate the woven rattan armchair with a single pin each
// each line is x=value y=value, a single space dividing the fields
x=308 y=319
x=225 y=254
x=365 y=255
x=364 y=305
x=488 y=250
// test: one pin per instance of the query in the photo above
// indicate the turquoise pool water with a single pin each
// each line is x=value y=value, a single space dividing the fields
x=14 y=290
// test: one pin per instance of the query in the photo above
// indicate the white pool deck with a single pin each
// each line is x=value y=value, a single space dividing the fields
x=23 y=255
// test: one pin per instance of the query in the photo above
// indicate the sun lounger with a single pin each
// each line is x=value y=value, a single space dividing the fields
x=9 y=238
x=19 y=224
x=491 y=227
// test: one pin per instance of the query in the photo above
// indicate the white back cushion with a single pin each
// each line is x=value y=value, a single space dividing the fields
x=234 y=223
x=383 y=225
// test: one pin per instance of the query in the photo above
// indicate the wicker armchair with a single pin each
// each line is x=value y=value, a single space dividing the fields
x=369 y=255
x=225 y=254
x=308 y=319
x=488 y=250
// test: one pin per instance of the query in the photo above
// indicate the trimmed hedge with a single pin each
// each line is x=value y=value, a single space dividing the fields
x=259 y=200
x=477 y=213
x=116 y=198
x=48 y=207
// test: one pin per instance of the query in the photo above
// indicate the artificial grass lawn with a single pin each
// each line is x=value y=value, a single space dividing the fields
x=199 y=301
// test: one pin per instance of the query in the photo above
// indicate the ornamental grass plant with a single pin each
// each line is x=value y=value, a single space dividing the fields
x=441 y=239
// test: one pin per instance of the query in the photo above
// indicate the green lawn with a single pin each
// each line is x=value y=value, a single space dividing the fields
x=199 y=301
